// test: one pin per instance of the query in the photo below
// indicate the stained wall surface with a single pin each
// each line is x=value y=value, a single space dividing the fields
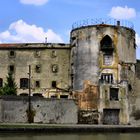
x=14 y=110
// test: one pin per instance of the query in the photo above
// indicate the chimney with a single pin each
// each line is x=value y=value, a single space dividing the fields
x=118 y=23
x=45 y=39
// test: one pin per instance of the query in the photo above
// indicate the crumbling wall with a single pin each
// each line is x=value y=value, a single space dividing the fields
x=88 y=98
x=15 y=109
x=87 y=101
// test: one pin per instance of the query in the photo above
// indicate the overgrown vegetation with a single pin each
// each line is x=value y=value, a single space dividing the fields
x=10 y=87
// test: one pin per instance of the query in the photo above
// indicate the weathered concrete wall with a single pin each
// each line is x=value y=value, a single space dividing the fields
x=44 y=55
x=88 y=98
x=121 y=103
x=87 y=57
x=138 y=69
x=134 y=103
x=14 y=110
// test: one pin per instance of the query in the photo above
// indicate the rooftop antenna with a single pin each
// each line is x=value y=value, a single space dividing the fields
x=45 y=39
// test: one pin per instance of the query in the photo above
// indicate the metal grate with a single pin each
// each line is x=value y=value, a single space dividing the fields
x=88 y=22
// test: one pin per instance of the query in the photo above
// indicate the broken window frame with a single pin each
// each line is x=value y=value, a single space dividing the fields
x=55 y=68
x=107 y=59
x=114 y=94
x=37 y=54
x=24 y=83
x=37 y=84
x=38 y=68
x=53 y=54
x=107 y=78
x=12 y=54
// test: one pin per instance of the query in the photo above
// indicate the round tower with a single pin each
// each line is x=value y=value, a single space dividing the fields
x=102 y=51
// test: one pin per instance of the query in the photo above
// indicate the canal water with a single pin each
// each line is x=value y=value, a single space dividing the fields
x=94 y=136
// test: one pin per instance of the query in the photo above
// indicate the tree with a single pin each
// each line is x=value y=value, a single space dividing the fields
x=10 y=87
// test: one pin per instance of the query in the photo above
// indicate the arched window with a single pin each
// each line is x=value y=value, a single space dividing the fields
x=106 y=43
x=106 y=46
x=24 y=83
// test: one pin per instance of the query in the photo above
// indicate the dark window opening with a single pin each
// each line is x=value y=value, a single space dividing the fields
x=37 y=54
x=24 y=83
x=53 y=84
x=111 y=116
x=37 y=95
x=54 y=96
x=53 y=53
x=37 y=84
x=38 y=68
x=107 y=45
x=12 y=54
x=114 y=94
x=23 y=94
x=129 y=87
x=1 y=82
x=55 y=68
x=107 y=78
x=106 y=42
x=11 y=68
x=64 y=96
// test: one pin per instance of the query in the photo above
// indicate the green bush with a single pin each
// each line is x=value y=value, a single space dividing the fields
x=10 y=87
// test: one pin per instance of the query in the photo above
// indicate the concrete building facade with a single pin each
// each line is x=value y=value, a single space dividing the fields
x=98 y=69
x=49 y=67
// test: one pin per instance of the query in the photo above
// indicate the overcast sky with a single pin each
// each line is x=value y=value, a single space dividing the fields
x=33 y=20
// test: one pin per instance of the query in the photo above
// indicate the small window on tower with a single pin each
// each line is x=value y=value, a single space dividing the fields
x=114 y=94
x=108 y=59
x=107 y=78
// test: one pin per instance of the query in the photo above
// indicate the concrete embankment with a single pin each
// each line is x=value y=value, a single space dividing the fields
x=56 y=128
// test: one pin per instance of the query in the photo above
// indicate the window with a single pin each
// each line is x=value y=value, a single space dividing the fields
x=24 y=83
x=53 y=84
x=37 y=84
x=107 y=78
x=53 y=54
x=54 y=96
x=11 y=68
x=55 y=68
x=12 y=54
x=1 y=82
x=38 y=68
x=107 y=49
x=108 y=59
x=106 y=43
x=64 y=96
x=114 y=94
x=37 y=54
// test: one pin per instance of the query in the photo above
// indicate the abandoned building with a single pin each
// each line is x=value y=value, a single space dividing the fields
x=98 y=69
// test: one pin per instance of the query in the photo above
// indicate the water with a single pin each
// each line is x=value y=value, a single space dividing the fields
x=94 y=136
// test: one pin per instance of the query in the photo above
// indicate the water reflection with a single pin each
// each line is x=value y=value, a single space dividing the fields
x=94 y=136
